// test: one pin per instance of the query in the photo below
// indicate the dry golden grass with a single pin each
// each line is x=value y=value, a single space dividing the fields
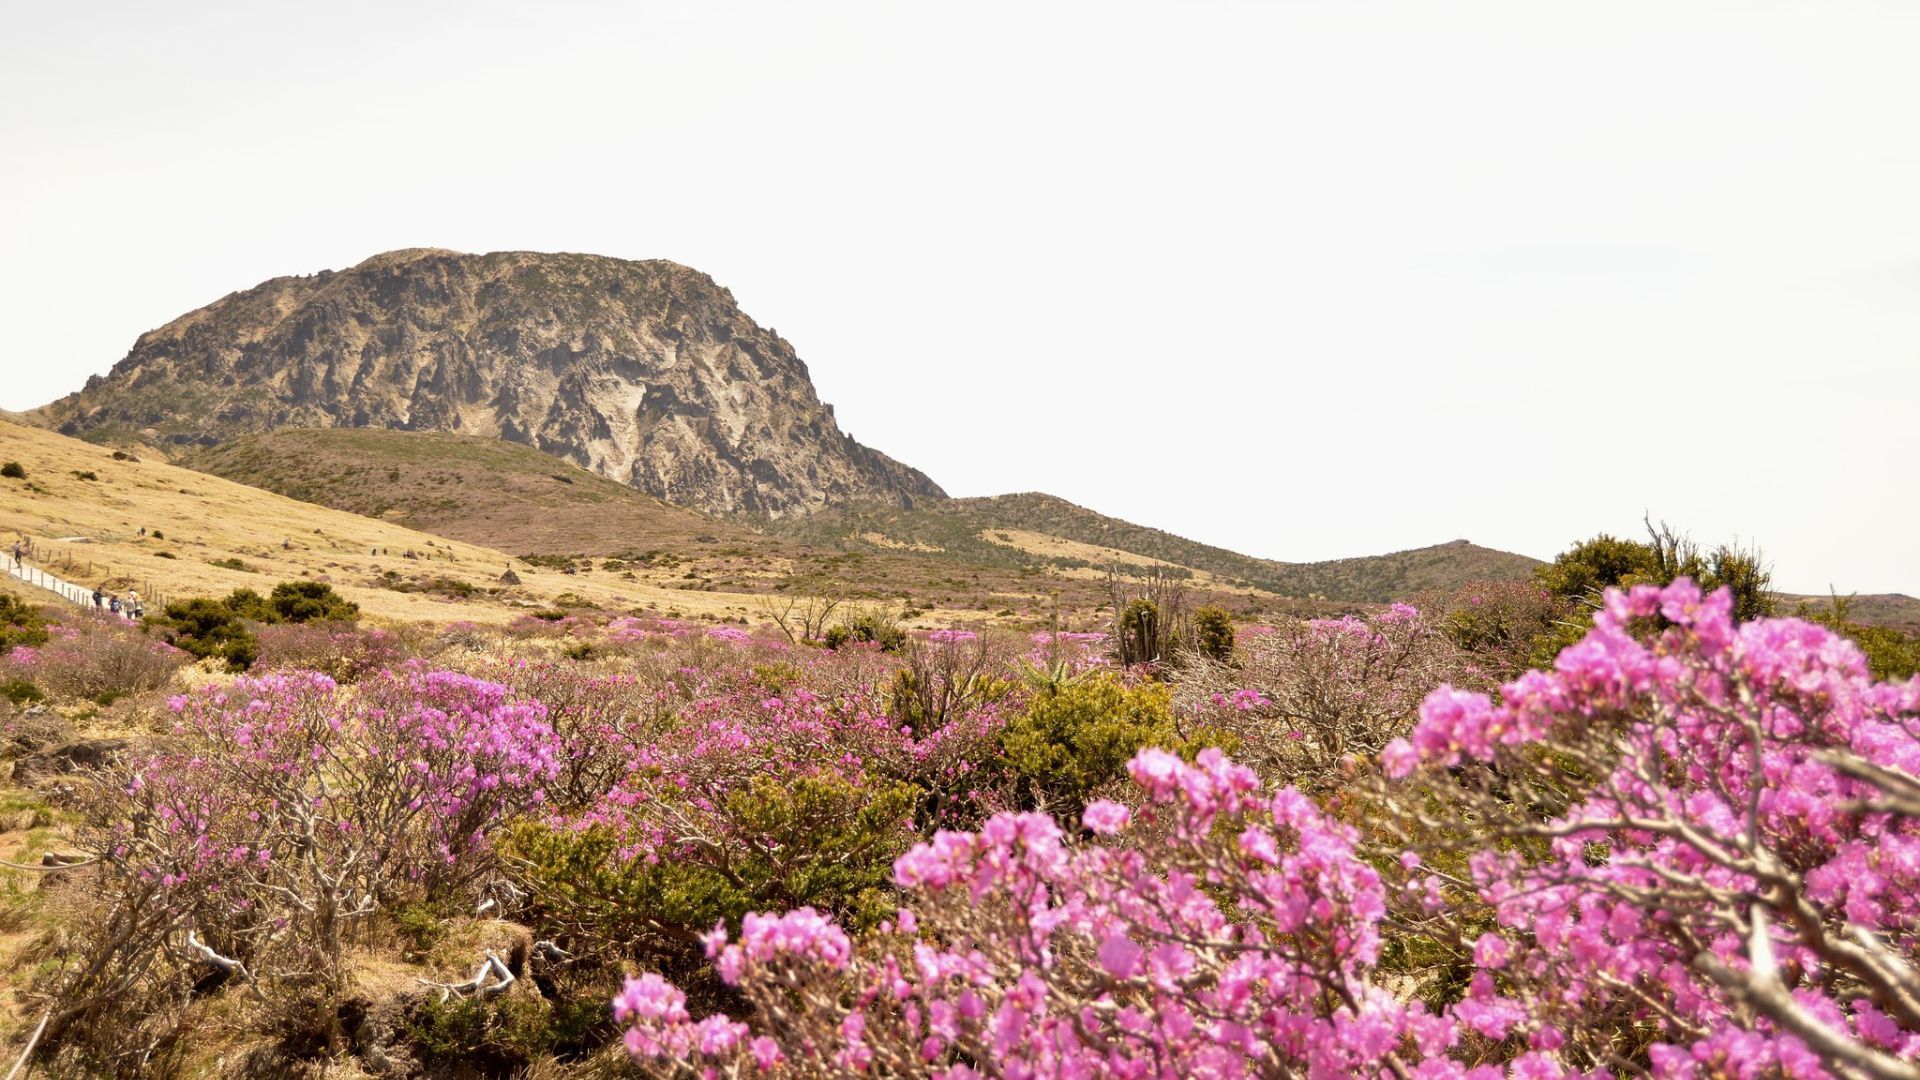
x=885 y=541
x=88 y=531
x=1062 y=548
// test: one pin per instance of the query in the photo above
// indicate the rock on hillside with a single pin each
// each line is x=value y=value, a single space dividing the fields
x=647 y=373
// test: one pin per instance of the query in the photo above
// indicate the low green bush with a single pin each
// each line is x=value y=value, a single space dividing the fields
x=1076 y=736
x=1213 y=632
x=208 y=629
x=823 y=841
x=21 y=623
x=21 y=692
x=871 y=626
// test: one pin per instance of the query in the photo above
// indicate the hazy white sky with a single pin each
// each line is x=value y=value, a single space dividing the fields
x=1304 y=279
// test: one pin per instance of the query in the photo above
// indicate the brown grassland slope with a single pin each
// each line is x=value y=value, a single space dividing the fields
x=589 y=542
x=519 y=500
x=1003 y=529
x=484 y=491
x=89 y=531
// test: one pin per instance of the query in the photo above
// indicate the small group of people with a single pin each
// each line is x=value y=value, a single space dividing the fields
x=131 y=607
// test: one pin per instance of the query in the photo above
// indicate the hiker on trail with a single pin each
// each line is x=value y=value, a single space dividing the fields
x=139 y=609
x=132 y=605
x=113 y=603
x=16 y=554
x=99 y=599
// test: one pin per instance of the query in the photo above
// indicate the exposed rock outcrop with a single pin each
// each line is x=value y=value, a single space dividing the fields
x=645 y=372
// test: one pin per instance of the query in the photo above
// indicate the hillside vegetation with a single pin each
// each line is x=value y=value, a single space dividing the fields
x=987 y=530
x=485 y=491
x=1007 y=553
x=122 y=520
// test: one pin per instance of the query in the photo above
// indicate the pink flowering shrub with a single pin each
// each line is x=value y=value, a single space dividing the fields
x=1690 y=850
x=284 y=812
x=1506 y=626
x=1059 y=656
x=600 y=719
x=1241 y=940
x=1312 y=699
x=345 y=652
x=1700 y=845
x=96 y=659
x=744 y=796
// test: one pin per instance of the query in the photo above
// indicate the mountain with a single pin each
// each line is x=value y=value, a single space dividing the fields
x=646 y=373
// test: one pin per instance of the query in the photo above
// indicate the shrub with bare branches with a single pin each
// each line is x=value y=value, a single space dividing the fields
x=1305 y=698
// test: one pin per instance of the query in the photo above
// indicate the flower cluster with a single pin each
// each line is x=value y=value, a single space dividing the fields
x=285 y=803
x=1689 y=850
x=1248 y=941
x=1734 y=864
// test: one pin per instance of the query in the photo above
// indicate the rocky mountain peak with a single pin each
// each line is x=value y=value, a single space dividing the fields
x=645 y=372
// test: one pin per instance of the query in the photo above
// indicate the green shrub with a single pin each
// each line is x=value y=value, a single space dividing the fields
x=84 y=474
x=21 y=692
x=1213 y=633
x=868 y=626
x=1144 y=633
x=21 y=623
x=1077 y=736
x=309 y=601
x=207 y=628
x=1582 y=573
x=422 y=924
x=563 y=563
x=293 y=602
x=824 y=841
x=1891 y=655
x=503 y=1037
x=453 y=587
x=1585 y=570
x=13 y=470
x=230 y=564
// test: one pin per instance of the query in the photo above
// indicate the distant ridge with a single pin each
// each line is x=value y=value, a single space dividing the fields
x=1028 y=544
x=972 y=528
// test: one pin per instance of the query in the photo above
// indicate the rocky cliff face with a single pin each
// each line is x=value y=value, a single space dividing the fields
x=644 y=372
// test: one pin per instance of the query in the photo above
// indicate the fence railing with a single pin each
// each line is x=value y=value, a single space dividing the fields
x=79 y=595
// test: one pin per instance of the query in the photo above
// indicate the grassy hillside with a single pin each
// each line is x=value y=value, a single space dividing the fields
x=518 y=500
x=85 y=511
x=1003 y=530
x=485 y=491
x=1895 y=610
x=1010 y=553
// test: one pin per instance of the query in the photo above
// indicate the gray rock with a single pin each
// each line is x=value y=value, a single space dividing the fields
x=645 y=372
